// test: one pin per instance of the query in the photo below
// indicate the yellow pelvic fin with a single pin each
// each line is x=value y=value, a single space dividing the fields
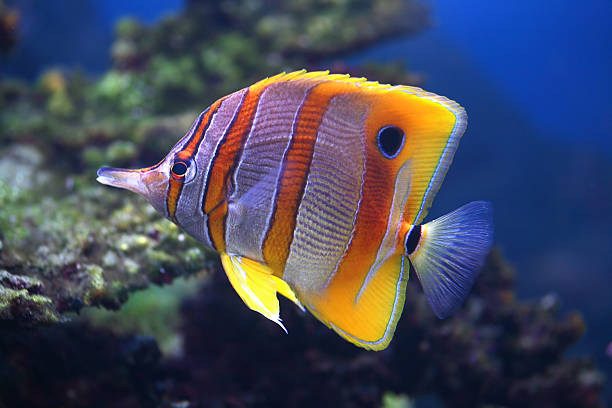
x=257 y=286
x=366 y=317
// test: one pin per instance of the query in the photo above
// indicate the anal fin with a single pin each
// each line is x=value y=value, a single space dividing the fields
x=257 y=286
x=363 y=312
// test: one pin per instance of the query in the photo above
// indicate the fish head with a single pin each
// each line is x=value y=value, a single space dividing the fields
x=157 y=184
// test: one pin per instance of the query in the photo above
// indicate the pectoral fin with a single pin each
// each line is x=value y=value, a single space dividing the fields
x=257 y=286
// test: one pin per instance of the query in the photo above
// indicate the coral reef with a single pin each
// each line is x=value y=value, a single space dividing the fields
x=151 y=312
x=66 y=245
x=181 y=65
x=494 y=352
x=67 y=242
x=82 y=244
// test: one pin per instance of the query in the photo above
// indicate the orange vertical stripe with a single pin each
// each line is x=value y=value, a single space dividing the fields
x=294 y=174
x=337 y=303
x=174 y=191
x=225 y=161
x=176 y=186
x=370 y=228
x=217 y=218
x=190 y=148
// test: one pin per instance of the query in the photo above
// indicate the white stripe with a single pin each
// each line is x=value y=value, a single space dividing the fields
x=387 y=245
x=187 y=214
x=325 y=222
x=189 y=210
x=350 y=241
x=255 y=179
x=282 y=161
x=210 y=152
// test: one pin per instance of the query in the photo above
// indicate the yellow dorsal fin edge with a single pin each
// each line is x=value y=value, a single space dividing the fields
x=361 y=82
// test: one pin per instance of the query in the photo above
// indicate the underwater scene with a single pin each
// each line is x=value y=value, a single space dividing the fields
x=280 y=244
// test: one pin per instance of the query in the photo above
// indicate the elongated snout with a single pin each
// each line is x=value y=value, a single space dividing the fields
x=123 y=178
x=149 y=182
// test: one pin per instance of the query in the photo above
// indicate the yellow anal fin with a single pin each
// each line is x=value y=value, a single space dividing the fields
x=364 y=313
x=257 y=286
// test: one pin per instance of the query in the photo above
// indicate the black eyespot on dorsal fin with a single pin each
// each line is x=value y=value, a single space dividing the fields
x=390 y=141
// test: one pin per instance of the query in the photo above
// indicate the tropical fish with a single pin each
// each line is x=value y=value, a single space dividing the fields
x=314 y=186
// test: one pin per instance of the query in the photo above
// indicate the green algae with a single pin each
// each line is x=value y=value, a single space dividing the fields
x=85 y=244
x=91 y=246
x=19 y=299
x=181 y=65
x=495 y=351
x=67 y=243
x=392 y=400
x=153 y=312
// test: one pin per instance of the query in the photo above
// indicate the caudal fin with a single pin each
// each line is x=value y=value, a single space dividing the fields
x=449 y=254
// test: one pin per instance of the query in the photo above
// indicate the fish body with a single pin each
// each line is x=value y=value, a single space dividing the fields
x=314 y=186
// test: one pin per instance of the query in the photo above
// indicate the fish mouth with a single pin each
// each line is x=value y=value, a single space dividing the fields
x=122 y=178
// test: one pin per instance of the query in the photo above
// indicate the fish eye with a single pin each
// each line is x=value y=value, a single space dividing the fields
x=179 y=169
x=390 y=141
x=183 y=170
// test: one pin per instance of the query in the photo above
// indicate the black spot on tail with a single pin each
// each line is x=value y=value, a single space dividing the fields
x=412 y=241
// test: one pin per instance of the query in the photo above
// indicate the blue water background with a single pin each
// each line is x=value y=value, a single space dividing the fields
x=534 y=76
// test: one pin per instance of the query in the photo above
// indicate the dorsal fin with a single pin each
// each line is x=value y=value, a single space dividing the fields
x=435 y=125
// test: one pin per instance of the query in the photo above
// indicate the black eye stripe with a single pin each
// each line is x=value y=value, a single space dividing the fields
x=390 y=141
